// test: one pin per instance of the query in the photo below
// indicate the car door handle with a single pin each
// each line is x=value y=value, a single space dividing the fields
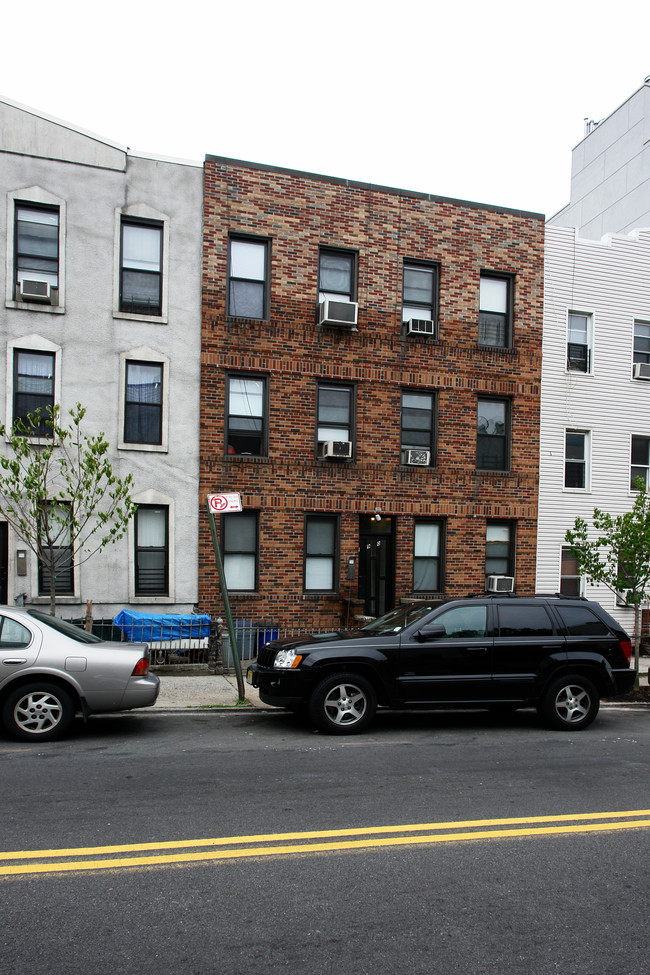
x=15 y=660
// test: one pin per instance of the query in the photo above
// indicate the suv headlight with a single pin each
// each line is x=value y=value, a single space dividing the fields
x=287 y=659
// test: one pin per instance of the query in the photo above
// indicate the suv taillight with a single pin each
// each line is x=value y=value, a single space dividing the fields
x=626 y=647
x=141 y=669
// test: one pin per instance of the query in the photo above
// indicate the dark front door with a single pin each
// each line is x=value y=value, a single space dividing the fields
x=376 y=565
x=4 y=563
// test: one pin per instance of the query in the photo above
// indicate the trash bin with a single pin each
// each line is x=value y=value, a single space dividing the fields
x=265 y=634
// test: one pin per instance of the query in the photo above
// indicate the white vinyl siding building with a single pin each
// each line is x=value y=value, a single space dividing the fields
x=590 y=417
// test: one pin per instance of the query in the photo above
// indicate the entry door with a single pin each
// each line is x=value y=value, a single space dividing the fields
x=4 y=562
x=376 y=565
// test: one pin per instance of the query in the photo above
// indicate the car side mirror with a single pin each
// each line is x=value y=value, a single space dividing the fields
x=431 y=631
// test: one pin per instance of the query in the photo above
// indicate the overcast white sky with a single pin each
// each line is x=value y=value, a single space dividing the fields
x=475 y=100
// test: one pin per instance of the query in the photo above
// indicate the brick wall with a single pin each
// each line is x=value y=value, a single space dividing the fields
x=299 y=213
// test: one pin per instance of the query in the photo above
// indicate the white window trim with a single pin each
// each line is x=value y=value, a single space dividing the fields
x=581 y=577
x=590 y=342
x=69 y=600
x=636 y=321
x=33 y=343
x=144 y=354
x=587 y=488
x=154 y=498
x=35 y=195
x=140 y=211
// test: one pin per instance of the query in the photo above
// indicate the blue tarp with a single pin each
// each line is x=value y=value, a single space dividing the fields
x=149 y=627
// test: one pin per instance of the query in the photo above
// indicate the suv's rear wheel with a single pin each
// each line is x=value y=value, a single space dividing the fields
x=40 y=711
x=570 y=703
x=343 y=704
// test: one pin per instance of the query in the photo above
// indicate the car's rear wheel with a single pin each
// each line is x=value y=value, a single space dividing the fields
x=39 y=711
x=343 y=704
x=570 y=703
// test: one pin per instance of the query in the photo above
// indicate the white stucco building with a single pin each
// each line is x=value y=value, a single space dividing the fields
x=101 y=286
x=610 y=172
x=595 y=413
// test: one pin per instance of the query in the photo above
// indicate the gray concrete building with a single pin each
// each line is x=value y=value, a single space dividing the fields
x=610 y=172
x=101 y=280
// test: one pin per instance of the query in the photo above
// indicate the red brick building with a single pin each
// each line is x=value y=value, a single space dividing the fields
x=371 y=365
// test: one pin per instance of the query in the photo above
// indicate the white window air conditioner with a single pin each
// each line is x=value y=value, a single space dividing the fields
x=340 y=313
x=337 y=449
x=641 y=370
x=500 y=584
x=35 y=291
x=417 y=458
x=622 y=597
x=420 y=326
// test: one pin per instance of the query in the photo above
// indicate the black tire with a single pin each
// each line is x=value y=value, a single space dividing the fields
x=570 y=703
x=343 y=704
x=38 y=711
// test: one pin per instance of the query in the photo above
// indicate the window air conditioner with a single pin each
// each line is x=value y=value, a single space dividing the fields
x=338 y=313
x=35 y=291
x=500 y=584
x=337 y=448
x=417 y=458
x=622 y=597
x=641 y=370
x=420 y=326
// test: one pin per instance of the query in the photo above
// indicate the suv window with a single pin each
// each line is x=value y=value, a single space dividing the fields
x=580 y=621
x=524 y=621
x=463 y=622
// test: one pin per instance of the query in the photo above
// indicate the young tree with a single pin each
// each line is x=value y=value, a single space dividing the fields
x=619 y=555
x=59 y=493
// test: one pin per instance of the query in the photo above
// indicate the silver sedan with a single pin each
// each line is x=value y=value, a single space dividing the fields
x=51 y=670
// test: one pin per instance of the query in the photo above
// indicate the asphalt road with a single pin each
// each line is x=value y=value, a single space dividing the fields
x=454 y=843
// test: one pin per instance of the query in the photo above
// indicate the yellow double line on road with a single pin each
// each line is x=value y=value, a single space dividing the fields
x=318 y=841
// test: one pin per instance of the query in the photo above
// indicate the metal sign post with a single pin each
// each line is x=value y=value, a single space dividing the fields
x=226 y=504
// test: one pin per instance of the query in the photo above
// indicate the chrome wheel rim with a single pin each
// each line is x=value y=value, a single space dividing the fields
x=38 y=712
x=572 y=703
x=345 y=704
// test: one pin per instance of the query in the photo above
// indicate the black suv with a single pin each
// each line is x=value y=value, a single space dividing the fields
x=556 y=654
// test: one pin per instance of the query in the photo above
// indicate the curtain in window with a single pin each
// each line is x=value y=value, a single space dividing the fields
x=143 y=407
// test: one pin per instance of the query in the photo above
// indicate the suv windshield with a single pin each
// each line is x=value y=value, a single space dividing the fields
x=398 y=619
x=63 y=626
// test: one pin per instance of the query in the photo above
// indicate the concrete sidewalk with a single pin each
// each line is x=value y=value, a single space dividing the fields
x=181 y=691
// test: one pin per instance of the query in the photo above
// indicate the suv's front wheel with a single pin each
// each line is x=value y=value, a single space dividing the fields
x=343 y=704
x=570 y=703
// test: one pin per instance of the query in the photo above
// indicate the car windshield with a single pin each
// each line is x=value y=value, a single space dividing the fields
x=63 y=626
x=398 y=619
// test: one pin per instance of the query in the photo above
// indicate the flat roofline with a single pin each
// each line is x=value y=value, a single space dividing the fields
x=358 y=185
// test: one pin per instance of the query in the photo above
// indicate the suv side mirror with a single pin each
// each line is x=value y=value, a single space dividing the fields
x=431 y=631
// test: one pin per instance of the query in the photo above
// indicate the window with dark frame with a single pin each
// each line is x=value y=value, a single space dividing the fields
x=419 y=289
x=492 y=434
x=143 y=402
x=570 y=578
x=36 y=244
x=641 y=342
x=417 y=427
x=152 y=550
x=248 y=278
x=579 y=342
x=58 y=534
x=640 y=457
x=33 y=388
x=334 y=412
x=321 y=547
x=141 y=267
x=337 y=275
x=495 y=311
x=247 y=416
x=499 y=549
x=427 y=556
x=239 y=533
x=575 y=459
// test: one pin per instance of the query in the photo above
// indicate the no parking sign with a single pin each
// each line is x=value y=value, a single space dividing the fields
x=222 y=504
